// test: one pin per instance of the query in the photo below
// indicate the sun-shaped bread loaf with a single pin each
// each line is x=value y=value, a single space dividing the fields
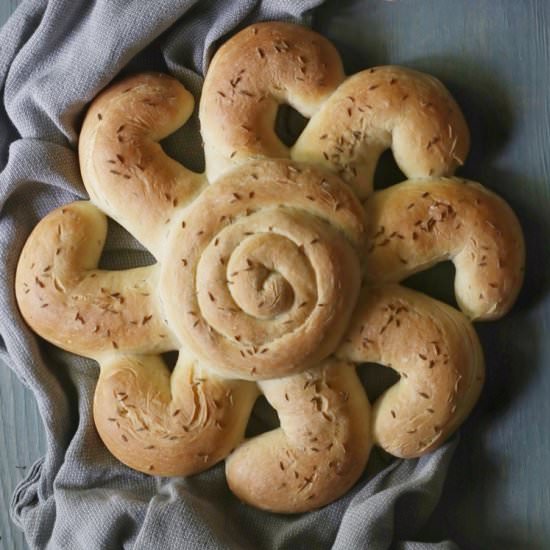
x=276 y=271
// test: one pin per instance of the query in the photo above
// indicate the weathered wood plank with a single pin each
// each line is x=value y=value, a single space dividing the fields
x=22 y=441
x=6 y=9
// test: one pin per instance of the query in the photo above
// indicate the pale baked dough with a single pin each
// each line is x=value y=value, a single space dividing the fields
x=278 y=278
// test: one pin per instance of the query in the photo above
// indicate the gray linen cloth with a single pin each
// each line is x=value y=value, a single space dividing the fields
x=55 y=56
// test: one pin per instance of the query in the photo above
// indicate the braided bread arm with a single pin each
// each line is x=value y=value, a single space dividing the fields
x=69 y=302
x=419 y=223
x=125 y=170
x=437 y=353
x=319 y=451
x=411 y=112
x=169 y=424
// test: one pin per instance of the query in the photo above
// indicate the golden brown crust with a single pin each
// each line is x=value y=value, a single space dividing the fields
x=69 y=302
x=411 y=112
x=419 y=223
x=260 y=278
x=319 y=451
x=435 y=350
x=166 y=424
x=250 y=75
x=124 y=169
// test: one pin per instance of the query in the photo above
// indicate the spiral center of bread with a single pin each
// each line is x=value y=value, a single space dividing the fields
x=259 y=265
x=263 y=272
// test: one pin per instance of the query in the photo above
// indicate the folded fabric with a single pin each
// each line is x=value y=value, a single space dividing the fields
x=55 y=56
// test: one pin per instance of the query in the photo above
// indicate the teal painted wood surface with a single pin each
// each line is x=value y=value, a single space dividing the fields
x=494 y=55
x=6 y=8
x=22 y=441
x=22 y=438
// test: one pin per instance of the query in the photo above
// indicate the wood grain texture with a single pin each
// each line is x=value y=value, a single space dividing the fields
x=494 y=55
x=22 y=439
x=6 y=9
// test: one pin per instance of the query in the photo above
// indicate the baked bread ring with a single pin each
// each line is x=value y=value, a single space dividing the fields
x=125 y=170
x=78 y=307
x=259 y=68
x=437 y=354
x=170 y=424
x=383 y=107
x=418 y=223
x=320 y=449
x=275 y=278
